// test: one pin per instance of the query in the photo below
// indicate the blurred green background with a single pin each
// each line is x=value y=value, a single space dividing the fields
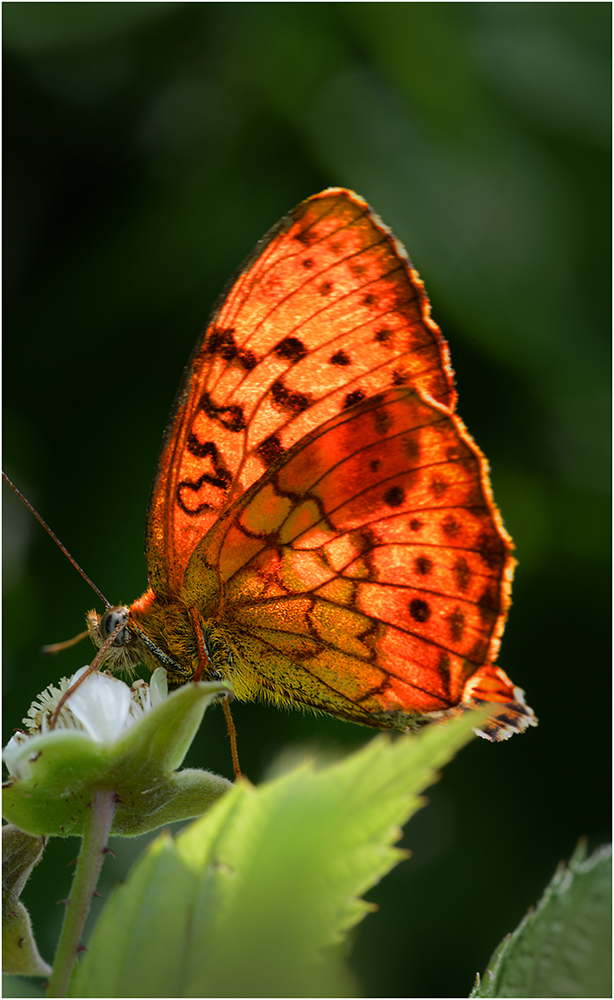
x=147 y=147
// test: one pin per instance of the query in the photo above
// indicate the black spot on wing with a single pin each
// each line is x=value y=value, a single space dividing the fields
x=423 y=565
x=450 y=526
x=353 y=398
x=221 y=341
x=491 y=550
x=394 y=496
x=306 y=237
x=270 y=450
x=290 y=348
x=419 y=610
x=286 y=399
x=456 y=625
x=462 y=573
x=231 y=417
x=341 y=359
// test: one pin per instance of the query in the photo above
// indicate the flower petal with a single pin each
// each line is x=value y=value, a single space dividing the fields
x=158 y=686
x=101 y=704
x=12 y=753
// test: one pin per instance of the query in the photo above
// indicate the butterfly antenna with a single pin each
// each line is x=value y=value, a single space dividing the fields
x=58 y=647
x=56 y=540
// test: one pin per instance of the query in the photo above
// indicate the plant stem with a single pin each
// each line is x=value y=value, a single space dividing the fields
x=95 y=836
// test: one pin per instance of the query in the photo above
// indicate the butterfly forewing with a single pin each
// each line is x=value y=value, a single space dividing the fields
x=327 y=312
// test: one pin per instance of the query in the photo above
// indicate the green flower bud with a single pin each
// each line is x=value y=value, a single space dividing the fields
x=114 y=738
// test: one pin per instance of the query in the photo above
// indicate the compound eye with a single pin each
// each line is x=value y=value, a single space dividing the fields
x=109 y=622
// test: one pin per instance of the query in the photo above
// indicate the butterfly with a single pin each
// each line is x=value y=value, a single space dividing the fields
x=321 y=530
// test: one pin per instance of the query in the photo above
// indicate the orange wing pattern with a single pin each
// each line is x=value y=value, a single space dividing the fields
x=327 y=312
x=321 y=529
x=367 y=574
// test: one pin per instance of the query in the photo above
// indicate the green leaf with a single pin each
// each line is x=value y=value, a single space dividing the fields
x=247 y=899
x=564 y=947
x=18 y=986
x=20 y=854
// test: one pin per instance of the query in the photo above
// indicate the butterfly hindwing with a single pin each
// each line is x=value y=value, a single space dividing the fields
x=367 y=573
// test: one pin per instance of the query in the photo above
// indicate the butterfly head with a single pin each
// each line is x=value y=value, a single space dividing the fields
x=123 y=653
x=124 y=642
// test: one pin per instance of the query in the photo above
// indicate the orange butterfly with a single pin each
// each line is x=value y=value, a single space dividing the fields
x=321 y=530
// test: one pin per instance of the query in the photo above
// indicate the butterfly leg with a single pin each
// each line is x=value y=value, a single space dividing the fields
x=215 y=657
x=212 y=650
x=203 y=657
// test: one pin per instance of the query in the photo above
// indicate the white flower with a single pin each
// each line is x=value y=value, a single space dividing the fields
x=109 y=737
x=102 y=708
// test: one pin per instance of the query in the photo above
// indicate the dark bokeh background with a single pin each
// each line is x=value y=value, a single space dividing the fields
x=147 y=147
